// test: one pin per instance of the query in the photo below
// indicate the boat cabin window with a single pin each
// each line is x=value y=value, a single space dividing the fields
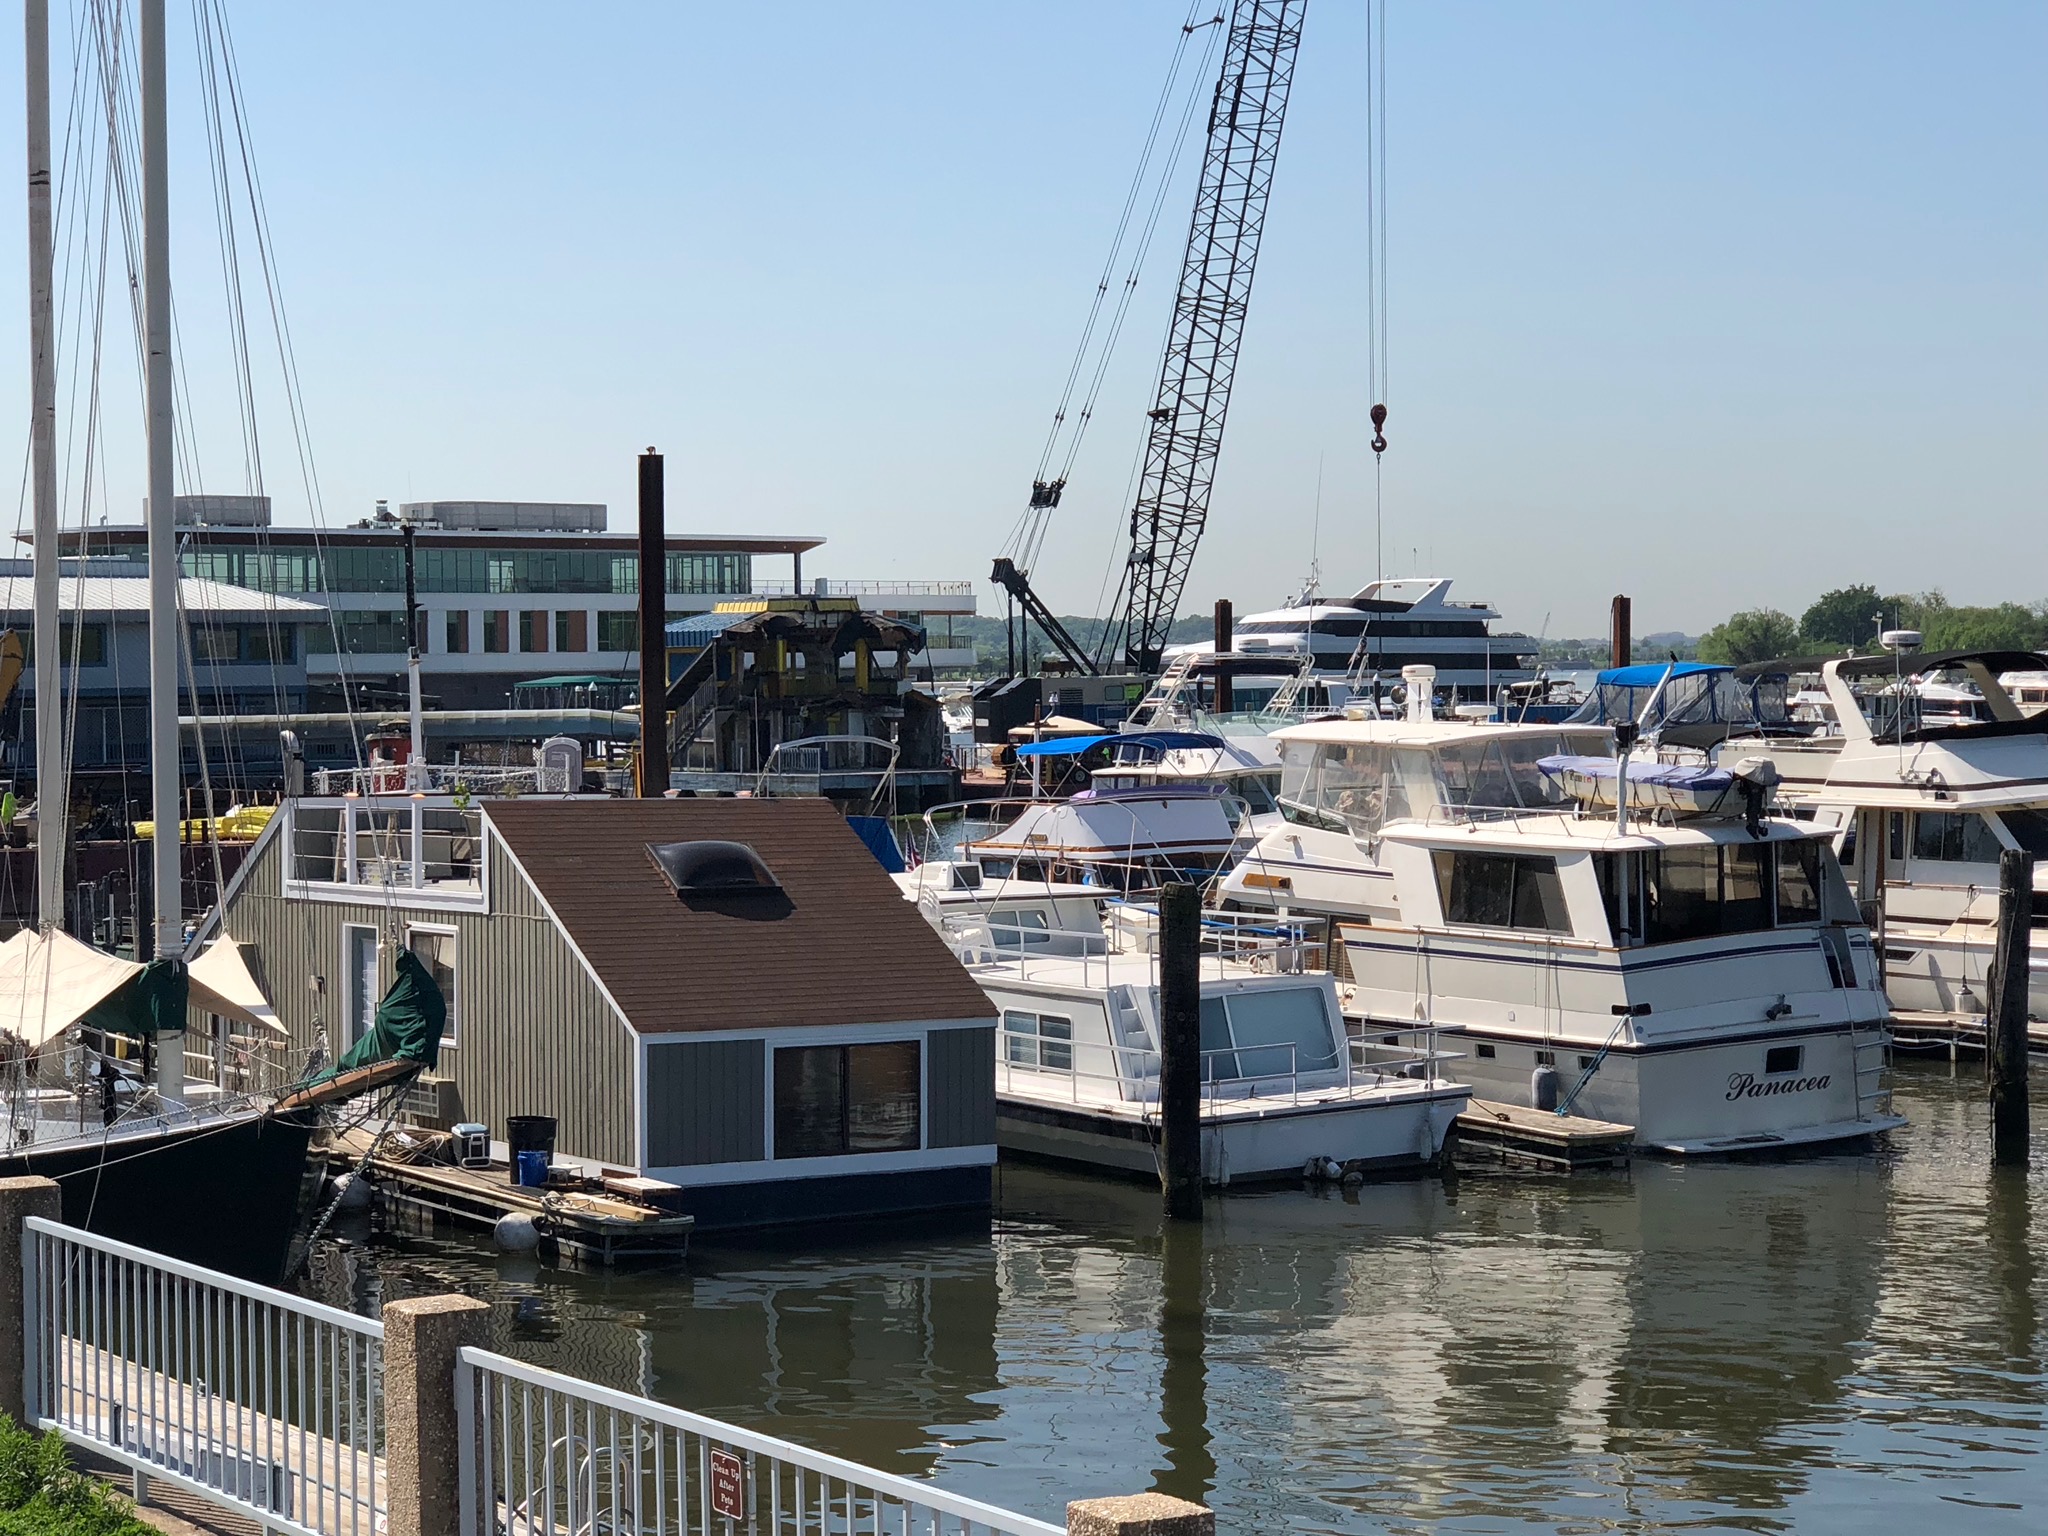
x=1675 y=894
x=1359 y=786
x=1019 y=928
x=2029 y=829
x=966 y=877
x=1276 y=1033
x=1954 y=837
x=1043 y=1040
x=834 y=1099
x=1501 y=890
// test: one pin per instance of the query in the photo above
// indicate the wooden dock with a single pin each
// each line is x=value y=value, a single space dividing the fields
x=1918 y=1031
x=1497 y=1135
x=587 y=1227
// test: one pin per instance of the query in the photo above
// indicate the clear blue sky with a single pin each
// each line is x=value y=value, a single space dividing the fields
x=1717 y=304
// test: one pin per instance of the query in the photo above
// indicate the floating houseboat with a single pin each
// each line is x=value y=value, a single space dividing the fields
x=727 y=997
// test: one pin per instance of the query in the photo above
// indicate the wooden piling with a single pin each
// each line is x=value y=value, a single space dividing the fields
x=1180 y=1049
x=2005 y=1025
x=1226 y=641
x=1619 y=644
x=652 y=775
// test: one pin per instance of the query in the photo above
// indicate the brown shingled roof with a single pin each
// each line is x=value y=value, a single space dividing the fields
x=845 y=948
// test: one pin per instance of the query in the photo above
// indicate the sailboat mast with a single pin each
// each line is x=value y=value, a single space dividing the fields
x=51 y=797
x=165 y=757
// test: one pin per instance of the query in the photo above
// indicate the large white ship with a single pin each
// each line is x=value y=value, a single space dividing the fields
x=1389 y=625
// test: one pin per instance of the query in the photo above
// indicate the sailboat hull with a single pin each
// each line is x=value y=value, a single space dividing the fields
x=222 y=1193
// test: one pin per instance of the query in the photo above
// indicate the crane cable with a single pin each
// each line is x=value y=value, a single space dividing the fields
x=1376 y=258
x=1069 y=426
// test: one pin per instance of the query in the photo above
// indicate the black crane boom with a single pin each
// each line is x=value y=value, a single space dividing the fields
x=1208 y=326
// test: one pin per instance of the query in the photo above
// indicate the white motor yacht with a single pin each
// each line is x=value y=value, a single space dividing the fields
x=1698 y=971
x=1116 y=839
x=1922 y=804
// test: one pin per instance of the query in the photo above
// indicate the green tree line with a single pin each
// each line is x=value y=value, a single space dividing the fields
x=1848 y=620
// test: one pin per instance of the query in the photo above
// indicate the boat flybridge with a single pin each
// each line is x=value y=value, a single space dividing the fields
x=1685 y=962
x=1921 y=803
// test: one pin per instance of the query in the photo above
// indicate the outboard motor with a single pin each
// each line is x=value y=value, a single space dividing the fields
x=1755 y=778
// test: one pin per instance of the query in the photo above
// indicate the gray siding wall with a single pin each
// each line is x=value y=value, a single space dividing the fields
x=534 y=1034
x=704 y=1102
x=960 y=1087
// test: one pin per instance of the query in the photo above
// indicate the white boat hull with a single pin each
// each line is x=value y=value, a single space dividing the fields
x=1404 y=1130
x=1711 y=1098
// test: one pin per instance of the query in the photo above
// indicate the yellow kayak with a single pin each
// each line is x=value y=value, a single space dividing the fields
x=241 y=825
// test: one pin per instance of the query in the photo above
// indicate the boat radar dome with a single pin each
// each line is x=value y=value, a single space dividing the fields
x=1421 y=681
x=1900 y=639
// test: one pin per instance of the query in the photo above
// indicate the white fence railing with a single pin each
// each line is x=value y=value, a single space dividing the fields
x=545 y=1453
x=254 y=1399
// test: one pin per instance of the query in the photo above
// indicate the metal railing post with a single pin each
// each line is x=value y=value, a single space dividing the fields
x=465 y=1446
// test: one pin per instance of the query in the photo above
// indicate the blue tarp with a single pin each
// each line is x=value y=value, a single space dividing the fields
x=1157 y=741
x=1649 y=674
x=874 y=831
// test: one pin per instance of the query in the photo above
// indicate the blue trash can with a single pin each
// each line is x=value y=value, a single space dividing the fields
x=532 y=1170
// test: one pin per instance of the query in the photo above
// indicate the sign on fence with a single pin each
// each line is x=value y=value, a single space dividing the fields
x=728 y=1485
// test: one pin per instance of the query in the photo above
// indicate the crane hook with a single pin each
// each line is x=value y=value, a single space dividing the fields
x=1379 y=436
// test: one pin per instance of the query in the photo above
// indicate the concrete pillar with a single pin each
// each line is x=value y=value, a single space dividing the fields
x=422 y=1453
x=19 y=1200
x=1139 y=1514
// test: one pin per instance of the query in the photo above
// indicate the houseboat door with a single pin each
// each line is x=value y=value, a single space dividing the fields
x=361 y=946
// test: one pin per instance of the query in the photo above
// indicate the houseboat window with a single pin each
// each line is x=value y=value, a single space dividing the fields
x=834 y=1099
x=1501 y=890
x=1954 y=837
x=2029 y=828
x=1038 y=1040
x=1019 y=928
x=436 y=949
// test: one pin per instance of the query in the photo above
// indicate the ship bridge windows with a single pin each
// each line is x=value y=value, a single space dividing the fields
x=1954 y=837
x=1360 y=786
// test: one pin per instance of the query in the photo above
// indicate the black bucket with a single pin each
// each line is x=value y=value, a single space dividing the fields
x=528 y=1133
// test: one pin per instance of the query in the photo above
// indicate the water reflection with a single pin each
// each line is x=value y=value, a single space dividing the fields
x=1741 y=1346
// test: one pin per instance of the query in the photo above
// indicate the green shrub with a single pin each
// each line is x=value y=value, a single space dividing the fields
x=42 y=1494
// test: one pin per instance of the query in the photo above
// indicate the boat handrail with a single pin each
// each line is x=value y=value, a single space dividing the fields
x=1131 y=1060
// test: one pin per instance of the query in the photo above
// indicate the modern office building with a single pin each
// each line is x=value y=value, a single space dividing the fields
x=509 y=592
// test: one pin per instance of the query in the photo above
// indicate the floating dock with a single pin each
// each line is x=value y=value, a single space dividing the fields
x=588 y=1227
x=1490 y=1134
x=1919 y=1030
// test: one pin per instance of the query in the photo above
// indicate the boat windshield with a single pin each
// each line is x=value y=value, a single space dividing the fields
x=1361 y=786
x=1280 y=1032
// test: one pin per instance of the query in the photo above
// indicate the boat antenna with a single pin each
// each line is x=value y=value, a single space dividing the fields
x=1315 y=537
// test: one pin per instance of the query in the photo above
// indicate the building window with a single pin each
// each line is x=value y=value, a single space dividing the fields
x=705 y=574
x=215 y=643
x=83 y=645
x=533 y=631
x=270 y=643
x=497 y=630
x=1499 y=890
x=571 y=628
x=618 y=631
x=436 y=950
x=831 y=1100
x=360 y=632
x=458 y=631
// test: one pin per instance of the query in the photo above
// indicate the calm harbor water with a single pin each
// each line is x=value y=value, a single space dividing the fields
x=1835 y=1344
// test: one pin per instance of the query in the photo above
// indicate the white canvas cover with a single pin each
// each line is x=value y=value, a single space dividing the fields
x=50 y=981
x=222 y=983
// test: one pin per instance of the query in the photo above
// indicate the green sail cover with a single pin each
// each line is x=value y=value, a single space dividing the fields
x=409 y=1022
x=153 y=1002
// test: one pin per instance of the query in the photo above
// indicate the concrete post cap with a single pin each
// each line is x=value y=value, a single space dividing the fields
x=1139 y=1514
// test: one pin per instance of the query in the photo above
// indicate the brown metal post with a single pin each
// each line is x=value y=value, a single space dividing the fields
x=1180 y=1049
x=1226 y=642
x=1619 y=644
x=652 y=775
x=2005 y=1025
